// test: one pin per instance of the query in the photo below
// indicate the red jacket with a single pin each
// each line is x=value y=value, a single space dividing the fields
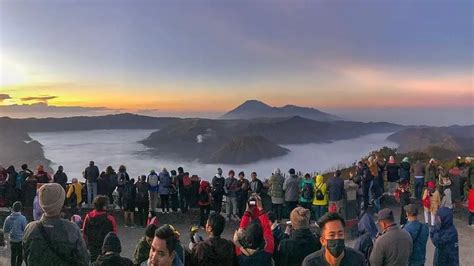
x=267 y=230
x=470 y=200
x=204 y=187
x=93 y=214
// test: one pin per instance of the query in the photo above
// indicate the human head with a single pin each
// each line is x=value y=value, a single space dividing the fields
x=254 y=175
x=91 y=163
x=241 y=174
x=24 y=166
x=337 y=173
x=332 y=233
x=122 y=168
x=291 y=171
x=74 y=180
x=432 y=161
x=252 y=236
x=51 y=199
x=111 y=244
x=385 y=218
x=406 y=160
x=109 y=170
x=100 y=202
x=431 y=185
x=219 y=171
x=307 y=176
x=40 y=168
x=60 y=168
x=162 y=251
x=150 y=232
x=143 y=178
x=215 y=225
x=231 y=173
x=17 y=206
x=299 y=218
x=173 y=172
x=412 y=211
x=277 y=171
x=180 y=170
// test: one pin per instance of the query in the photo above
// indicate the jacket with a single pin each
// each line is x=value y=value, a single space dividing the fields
x=393 y=172
x=304 y=183
x=405 y=171
x=446 y=200
x=214 y=251
x=60 y=178
x=291 y=188
x=65 y=238
x=351 y=258
x=262 y=256
x=434 y=200
x=204 y=188
x=165 y=183
x=76 y=188
x=418 y=169
x=430 y=173
x=335 y=188
x=91 y=174
x=112 y=259
x=231 y=187
x=15 y=225
x=142 y=251
x=276 y=186
x=94 y=231
x=419 y=234
x=392 y=248
x=445 y=238
x=256 y=186
x=300 y=244
x=470 y=200
x=323 y=187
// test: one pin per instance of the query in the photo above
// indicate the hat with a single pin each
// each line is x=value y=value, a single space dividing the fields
x=411 y=209
x=431 y=184
x=299 y=218
x=385 y=214
x=111 y=243
x=17 y=206
x=291 y=171
x=51 y=199
x=406 y=160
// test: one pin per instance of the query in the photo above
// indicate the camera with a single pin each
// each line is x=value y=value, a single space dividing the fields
x=252 y=201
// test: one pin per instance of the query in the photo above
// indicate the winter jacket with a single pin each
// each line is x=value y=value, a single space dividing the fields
x=335 y=188
x=65 y=237
x=256 y=186
x=96 y=225
x=165 y=183
x=231 y=187
x=15 y=226
x=446 y=200
x=434 y=200
x=351 y=258
x=430 y=173
x=261 y=256
x=445 y=238
x=393 y=172
x=91 y=174
x=306 y=182
x=291 y=188
x=77 y=189
x=60 y=178
x=392 y=248
x=214 y=251
x=419 y=234
x=243 y=189
x=204 y=188
x=300 y=244
x=324 y=188
x=112 y=259
x=43 y=177
x=153 y=178
x=405 y=171
x=470 y=200
x=142 y=251
x=218 y=183
x=276 y=186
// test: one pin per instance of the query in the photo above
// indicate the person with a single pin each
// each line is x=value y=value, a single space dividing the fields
x=366 y=183
x=153 y=187
x=74 y=194
x=204 y=202
x=52 y=240
x=75 y=218
x=111 y=250
x=97 y=224
x=165 y=248
x=183 y=205
x=231 y=187
x=112 y=178
x=41 y=175
x=256 y=184
x=306 y=191
x=431 y=171
x=218 y=191
x=37 y=210
x=142 y=250
x=174 y=191
x=336 y=191
x=320 y=201
x=14 y=226
x=470 y=205
x=404 y=187
x=164 y=190
x=276 y=192
x=367 y=232
x=381 y=166
x=11 y=182
x=419 y=234
x=418 y=172
x=333 y=251
x=393 y=246
x=445 y=239
x=392 y=175
x=60 y=177
x=405 y=169
x=103 y=184
x=242 y=193
x=301 y=241
x=122 y=179
x=142 y=201
x=446 y=200
x=214 y=250
x=129 y=195
x=431 y=201
x=277 y=232
x=292 y=191
x=91 y=174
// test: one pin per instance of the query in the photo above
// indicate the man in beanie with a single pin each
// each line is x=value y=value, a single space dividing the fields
x=52 y=240
x=301 y=241
x=15 y=226
x=111 y=252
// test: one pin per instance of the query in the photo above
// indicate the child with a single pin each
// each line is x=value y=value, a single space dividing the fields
x=15 y=226
x=431 y=201
x=470 y=205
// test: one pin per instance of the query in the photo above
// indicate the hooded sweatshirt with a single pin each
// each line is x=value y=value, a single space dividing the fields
x=15 y=226
x=445 y=238
x=367 y=232
x=323 y=187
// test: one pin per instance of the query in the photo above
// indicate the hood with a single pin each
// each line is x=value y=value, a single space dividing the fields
x=204 y=185
x=406 y=160
x=319 y=179
x=367 y=225
x=446 y=217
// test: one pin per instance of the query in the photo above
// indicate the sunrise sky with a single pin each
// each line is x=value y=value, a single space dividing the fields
x=395 y=61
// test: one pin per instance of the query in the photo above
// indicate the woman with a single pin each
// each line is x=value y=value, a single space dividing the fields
x=74 y=195
x=204 y=202
x=431 y=201
x=164 y=190
x=320 y=201
x=111 y=176
x=42 y=176
x=405 y=169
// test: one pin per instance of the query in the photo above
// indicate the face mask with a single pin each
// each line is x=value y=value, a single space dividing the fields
x=335 y=247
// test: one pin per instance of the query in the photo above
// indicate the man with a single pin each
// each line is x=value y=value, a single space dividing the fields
x=334 y=252
x=418 y=171
x=292 y=190
x=60 y=177
x=182 y=199
x=218 y=183
x=214 y=250
x=52 y=240
x=445 y=238
x=276 y=192
x=393 y=246
x=91 y=174
x=111 y=250
x=231 y=187
x=15 y=226
x=419 y=234
x=301 y=241
x=336 y=191
x=256 y=184
x=142 y=251
x=164 y=248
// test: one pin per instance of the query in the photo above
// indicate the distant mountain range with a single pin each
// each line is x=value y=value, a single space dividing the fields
x=252 y=109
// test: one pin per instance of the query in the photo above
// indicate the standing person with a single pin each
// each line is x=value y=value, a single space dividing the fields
x=142 y=250
x=142 y=201
x=30 y=190
x=334 y=251
x=393 y=246
x=320 y=201
x=91 y=174
x=470 y=205
x=392 y=175
x=446 y=200
x=307 y=191
x=174 y=191
x=110 y=253
x=111 y=176
x=20 y=184
x=122 y=179
x=52 y=240
x=291 y=186
x=419 y=234
x=367 y=233
x=153 y=187
x=242 y=193
x=431 y=201
x=97 y=224
x=276 y=192
x=60 y=177
x=74 y=194
x=367 y=183
x=11 y=182
x=231 y=186
x=256 y=184
x=182 y=199
x=445 y=238
x=405 y=169
x=204 y=202
x=164 y=190
x=431 y=171
x=418 y=171
x=128 y=202
x=15 y=225
x=102 y=184
x=336 y=191
x=381 y=165
x=218 y=183
x=41 y=175
x=404 y=200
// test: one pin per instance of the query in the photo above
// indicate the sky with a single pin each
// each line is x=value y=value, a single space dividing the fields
x=408 y=62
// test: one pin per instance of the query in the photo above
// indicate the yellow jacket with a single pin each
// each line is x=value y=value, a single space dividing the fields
x=319 y=184
x=77 y=189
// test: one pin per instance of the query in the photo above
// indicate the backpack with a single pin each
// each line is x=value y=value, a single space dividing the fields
x=153 y=180
x=187 y=181
x=97 y=228
x=308 y=192
x=319 y=194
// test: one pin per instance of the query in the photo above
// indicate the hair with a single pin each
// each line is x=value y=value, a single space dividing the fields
x=217 y=222
x=307 y=175
x=143 y=177
x=91 y=163
x=271 y=216
x=291 y=171
x=254 y=173
x=17 y=206
x=109 y=170
x=241 y=173
x=338 y=173
x=252 y=236
x=329 y=217
x=231 y=172
x=122 y=168
x=24 y=166
x=150 y=230
x=100 y=202
x=173 y=172
x=180 y=170
x=168 y=234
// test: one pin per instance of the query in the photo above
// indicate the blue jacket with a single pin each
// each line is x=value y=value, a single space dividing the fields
x=15 y=226
x=419 y=234
x=445 y=238
x=335 y=188
x=165 y=183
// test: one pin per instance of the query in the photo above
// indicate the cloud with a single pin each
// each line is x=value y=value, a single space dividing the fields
x=43 y=99
x=42 y=109
x=4 y=97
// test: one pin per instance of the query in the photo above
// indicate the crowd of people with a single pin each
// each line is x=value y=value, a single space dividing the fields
x=260 y=239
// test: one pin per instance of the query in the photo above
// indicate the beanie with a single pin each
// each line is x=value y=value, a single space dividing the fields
x=111 y=244
x=51 y=199
x=299 y=218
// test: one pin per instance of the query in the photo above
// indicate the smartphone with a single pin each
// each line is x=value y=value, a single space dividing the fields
x=288 y=223
x=252 y=202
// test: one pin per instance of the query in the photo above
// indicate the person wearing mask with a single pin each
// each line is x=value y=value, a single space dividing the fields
x=218 y=190
x=53 y=240
x=393 y=246
x=60 y=177
x=419 y=234
x=291 y=186
x=336 y=191
x=418 y=172
x=142 y=201
x=231 y=186
x=142 y=250
x=320 y=201
x=445 y=239
x=14 y=226
x=165 y=248
x=242 y=193
x=164 y=190
x=301 y=241
x=111 y=250
x=392 y=175
x=91 y=174
x=367 y=232
x=334 y=251
x=277 y=194
x=405 y=169
x=431 y=201
x=307 y=191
